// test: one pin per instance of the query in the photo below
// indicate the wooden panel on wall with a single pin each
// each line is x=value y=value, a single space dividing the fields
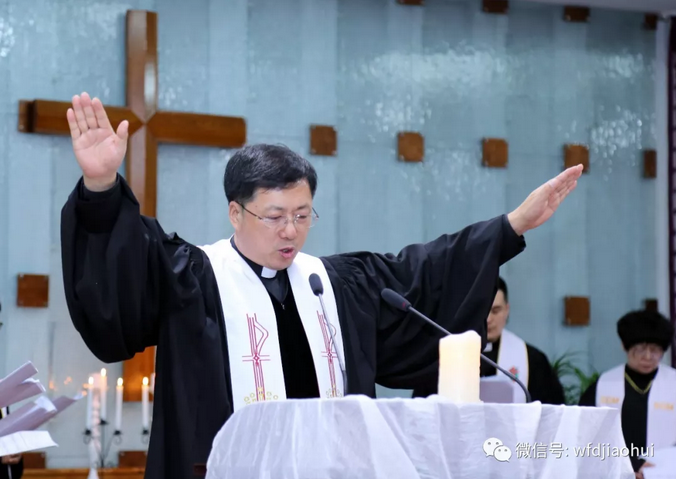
x=576 y=14
x=32 y=291
x=323 y=140
x=650 y=21
x=650 y=304
x=133 y=373
x=411 y=146
x=34 y=460
x=576 y=155
x=495 y=6
x=576 y=310
x=116 y=473
x=650 y=164
x=495 y=153
x=132 y=458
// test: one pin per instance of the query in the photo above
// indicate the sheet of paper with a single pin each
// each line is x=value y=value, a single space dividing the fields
x=28 y=417
x=10 y=382
x=496 y=389
x=62 y=402
x=25 y=441
x=27 y=389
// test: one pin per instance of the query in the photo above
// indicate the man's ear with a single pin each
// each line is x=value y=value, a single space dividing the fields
x=235 y=214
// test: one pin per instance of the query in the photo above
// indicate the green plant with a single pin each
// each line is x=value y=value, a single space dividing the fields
x=573 y=379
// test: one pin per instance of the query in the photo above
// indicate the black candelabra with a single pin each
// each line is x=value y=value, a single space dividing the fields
x=105 y=442
x=96 y=431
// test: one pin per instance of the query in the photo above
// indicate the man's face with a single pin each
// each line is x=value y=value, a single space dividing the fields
x=274 y=241
x=497 y=318
x=644 y=357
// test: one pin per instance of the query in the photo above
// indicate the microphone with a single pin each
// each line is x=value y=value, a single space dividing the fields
x=397 y=301
x=318 y=290
x=316 y=285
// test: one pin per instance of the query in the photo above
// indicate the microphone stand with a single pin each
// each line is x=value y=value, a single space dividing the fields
x=333 y=342
x=397 y=301
x=318 y=290
x=483 y=357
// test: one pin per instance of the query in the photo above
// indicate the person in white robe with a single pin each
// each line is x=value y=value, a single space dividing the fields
x=643 y=388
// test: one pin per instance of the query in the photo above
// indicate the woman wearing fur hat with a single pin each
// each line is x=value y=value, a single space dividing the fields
x=643 y=388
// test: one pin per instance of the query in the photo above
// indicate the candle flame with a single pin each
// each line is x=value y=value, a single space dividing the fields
x=103 y=372
x=145 y=381
x=119 y=382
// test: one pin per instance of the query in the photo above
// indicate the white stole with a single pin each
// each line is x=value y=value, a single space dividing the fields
x=513 y=356
x=251 y=326
x=661 y=402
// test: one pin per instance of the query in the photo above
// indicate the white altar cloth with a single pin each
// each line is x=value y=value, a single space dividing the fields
x=358 y=437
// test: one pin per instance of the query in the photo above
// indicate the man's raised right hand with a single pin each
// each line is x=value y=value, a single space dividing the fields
x=98 y=148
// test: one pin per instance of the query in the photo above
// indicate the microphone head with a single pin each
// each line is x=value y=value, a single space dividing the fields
x=316 y=284
x=395 y=300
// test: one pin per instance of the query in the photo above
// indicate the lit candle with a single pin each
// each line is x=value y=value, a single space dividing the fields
x=118 y=405
x=144 y=398
x=104 y=393
x=90 y=397
x=459 y=367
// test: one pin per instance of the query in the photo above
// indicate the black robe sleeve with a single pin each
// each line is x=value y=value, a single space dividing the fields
x=128 y=286
x=543 y=383
x=452 y=280
x=120 y=271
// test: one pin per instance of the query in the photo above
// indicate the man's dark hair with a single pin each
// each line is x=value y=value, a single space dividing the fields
x=502 y=286
x=268 y=167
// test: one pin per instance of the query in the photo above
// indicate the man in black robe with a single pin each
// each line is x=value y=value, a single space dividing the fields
x=542 y=383
x=129 y=285
x=645 y=335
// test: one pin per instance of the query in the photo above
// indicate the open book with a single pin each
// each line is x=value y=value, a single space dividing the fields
x=18 y=429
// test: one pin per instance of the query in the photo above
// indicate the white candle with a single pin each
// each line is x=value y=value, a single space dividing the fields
x=104 y=393
x=144 y=397
x=90 y=397
x=459 y=367
x=118 y=405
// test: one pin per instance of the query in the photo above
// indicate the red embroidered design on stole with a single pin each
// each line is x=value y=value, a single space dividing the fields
x=257 y=337
x=330 y=353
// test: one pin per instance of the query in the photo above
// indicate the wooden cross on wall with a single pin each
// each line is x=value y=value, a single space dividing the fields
x=148 y=126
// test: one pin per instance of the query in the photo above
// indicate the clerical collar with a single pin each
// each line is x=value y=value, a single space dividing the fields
x=494 y=345
x=261 y=271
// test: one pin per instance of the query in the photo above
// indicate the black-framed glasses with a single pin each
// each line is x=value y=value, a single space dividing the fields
x=279 y=222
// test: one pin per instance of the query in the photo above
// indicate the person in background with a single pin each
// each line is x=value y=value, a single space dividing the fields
x=512 y=353
x=643 y=388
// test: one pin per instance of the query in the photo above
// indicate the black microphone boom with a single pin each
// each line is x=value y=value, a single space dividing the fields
x=397 y=301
